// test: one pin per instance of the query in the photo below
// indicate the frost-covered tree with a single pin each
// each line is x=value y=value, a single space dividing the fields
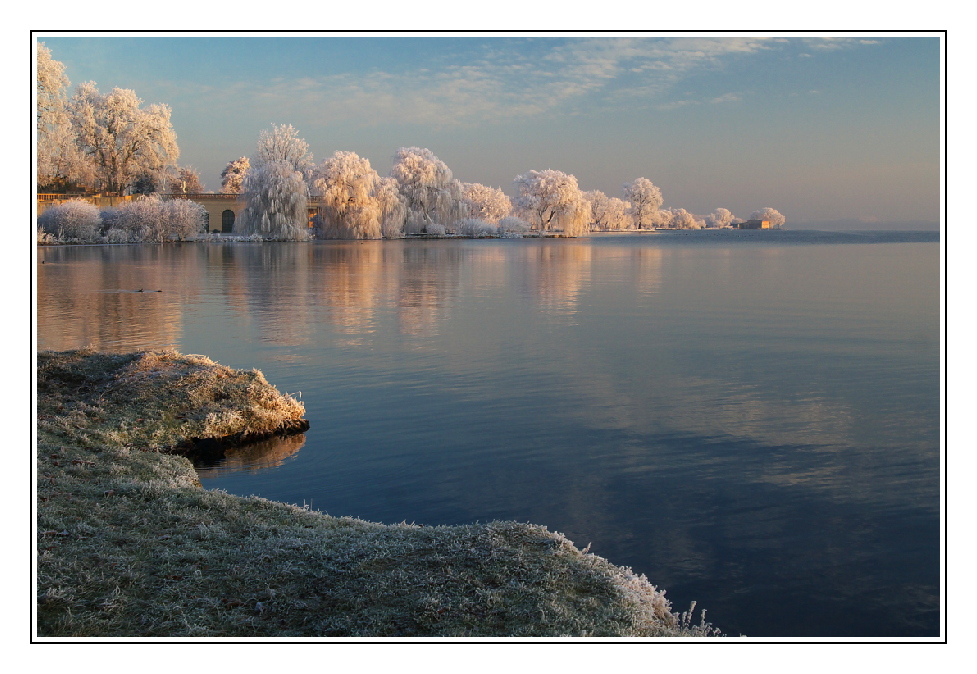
x=775 y=217
x=283 y=145
x=346 y=185
x=551 y=200
x=119 y=139
x=430 y=193
x=232 y=177
x=678 y=218
x=276 y=199
x=275 y=190
x=721 y=217
x=645 y=200
x=608 y=213
x=186 y=181
x=393 y=208
x=486 y=203
x=75 y=219
x=54 y=156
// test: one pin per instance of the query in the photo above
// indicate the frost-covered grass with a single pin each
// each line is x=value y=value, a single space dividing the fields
x=129 y=544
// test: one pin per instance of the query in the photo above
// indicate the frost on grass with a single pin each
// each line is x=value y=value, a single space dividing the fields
x=130 y=545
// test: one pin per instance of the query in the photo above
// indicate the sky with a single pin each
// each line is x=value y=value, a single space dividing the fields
x=826 y=129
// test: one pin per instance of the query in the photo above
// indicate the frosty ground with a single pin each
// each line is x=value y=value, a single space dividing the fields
x=129 y=544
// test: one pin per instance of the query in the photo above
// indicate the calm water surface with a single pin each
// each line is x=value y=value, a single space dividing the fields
x=751 y=419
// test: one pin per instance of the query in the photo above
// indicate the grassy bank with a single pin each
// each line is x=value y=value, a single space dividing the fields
x=129 y=544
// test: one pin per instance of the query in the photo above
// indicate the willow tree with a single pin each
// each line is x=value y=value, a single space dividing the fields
x=346 y=186
x=274 y=189
x=432 y=196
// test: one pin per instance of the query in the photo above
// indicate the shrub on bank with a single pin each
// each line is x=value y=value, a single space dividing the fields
x=153 y=219
x=75 y=220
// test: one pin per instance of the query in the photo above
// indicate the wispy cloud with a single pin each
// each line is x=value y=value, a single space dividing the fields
x=506 y=81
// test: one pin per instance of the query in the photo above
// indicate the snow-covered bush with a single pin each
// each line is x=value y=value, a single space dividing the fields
x=141 y=219
x=185 y=218
x=476 y=228
x=73 y=220
x=153 y=219
x=511 y=225
x=117 y=235
x=436 y=229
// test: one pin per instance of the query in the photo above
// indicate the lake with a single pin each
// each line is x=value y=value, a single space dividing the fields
x=751 y=419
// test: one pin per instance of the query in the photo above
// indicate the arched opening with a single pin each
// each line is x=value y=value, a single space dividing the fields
x=227 y=221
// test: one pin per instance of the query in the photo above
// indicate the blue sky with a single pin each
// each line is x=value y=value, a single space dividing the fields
x=820 y=128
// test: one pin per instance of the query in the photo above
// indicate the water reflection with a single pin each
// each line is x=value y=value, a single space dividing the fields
x=252 y=458
x=753 y=426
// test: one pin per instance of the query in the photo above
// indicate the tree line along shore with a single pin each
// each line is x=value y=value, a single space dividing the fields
x=130 y=544
x=110 y=143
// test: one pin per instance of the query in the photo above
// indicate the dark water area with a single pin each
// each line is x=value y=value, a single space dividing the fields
x=751 y=419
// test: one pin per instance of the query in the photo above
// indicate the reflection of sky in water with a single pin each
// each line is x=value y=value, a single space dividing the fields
x=752 y=421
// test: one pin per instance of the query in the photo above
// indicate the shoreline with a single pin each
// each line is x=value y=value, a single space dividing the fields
x=130 y=544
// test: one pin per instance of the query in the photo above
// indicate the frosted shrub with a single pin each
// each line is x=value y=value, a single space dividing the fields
x=73 y=220
x=185 y=218
x=436 y=229
x=476 y=228
x=512 y=226
x=142 y=219
x=117 y=235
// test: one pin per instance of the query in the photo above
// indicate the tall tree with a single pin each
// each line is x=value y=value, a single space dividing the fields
x=431 y=194
x=645 y=200
x=119 y=139
x=550 y=200
x=275 y=189
x=54 y=147
x=346 y=184
x=282 y=144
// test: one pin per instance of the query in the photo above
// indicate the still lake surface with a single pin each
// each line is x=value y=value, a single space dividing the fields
x=751 y=419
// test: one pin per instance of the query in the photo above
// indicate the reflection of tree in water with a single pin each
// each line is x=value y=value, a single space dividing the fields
x=94 y=300
x=554 y=273
x=430 y=277
x=352 y=282
x=277 y=280
x=254 y=457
